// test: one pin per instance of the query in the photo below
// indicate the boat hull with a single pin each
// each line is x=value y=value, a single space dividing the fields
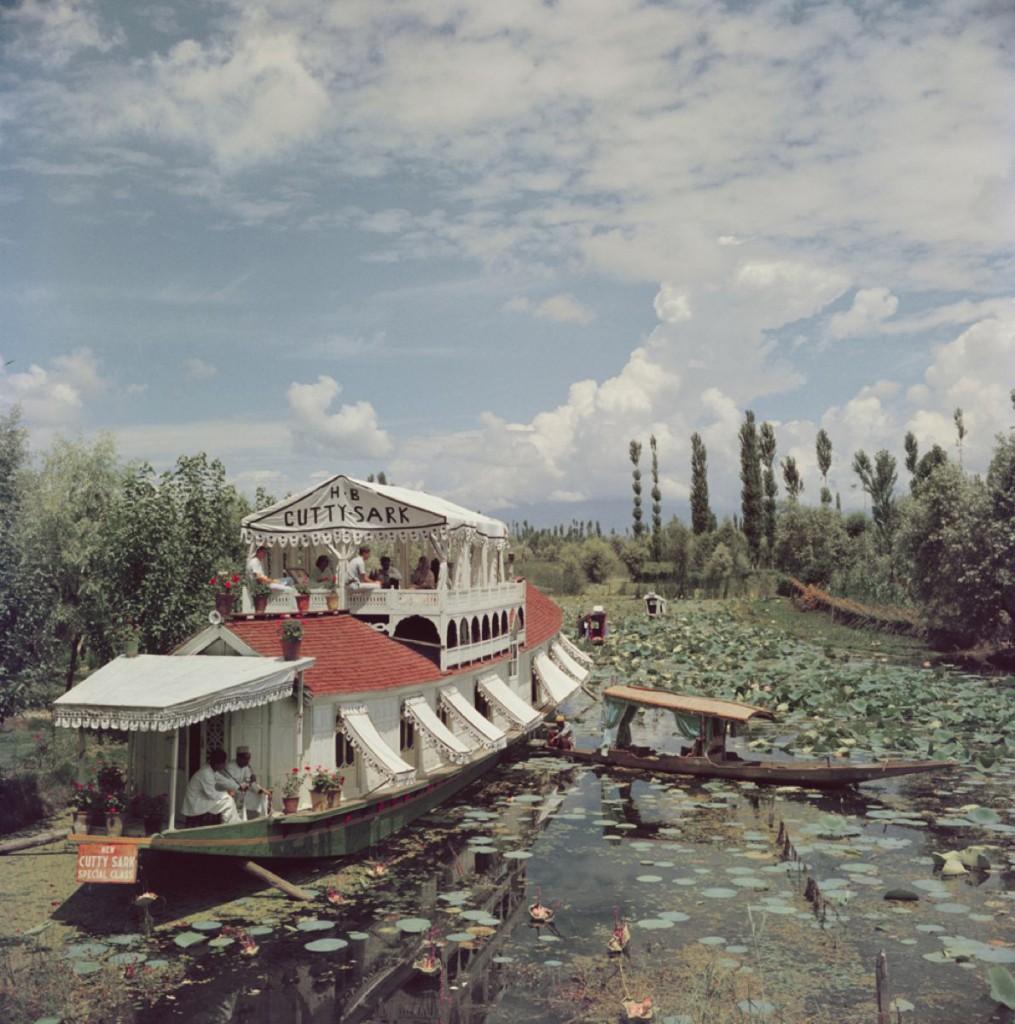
x=333 y=833
x=820 y=774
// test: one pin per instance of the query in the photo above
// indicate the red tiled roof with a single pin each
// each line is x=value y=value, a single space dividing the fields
x=352 y=657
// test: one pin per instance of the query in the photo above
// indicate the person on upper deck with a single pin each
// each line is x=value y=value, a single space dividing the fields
x=211 y=791
x=257 y=573
x=322 y=574
x=356 y=574
x=387 y=575
x=422 y=576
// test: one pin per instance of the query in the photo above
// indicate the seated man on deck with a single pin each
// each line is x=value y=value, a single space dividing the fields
x=563 y=736
x=388 y=576
x=251 y=797
x=322 y=575
x=257 y=573
x=422 y=577
x=210 y=791
x=356 y=574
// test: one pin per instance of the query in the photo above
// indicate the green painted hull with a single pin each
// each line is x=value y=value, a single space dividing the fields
x=334 y=833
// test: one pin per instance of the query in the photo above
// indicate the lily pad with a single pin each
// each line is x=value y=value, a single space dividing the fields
x=649 y=879
x=128 y=957
x=85 y=967
x=85 y=950
x=654 y=923
x=517 y=855
x=325 y=945
x=461 y=937
x=206 y=926
x=718 y=892
x=315 y=924
x=187 y=939
x=415 y=925
x=221 y=942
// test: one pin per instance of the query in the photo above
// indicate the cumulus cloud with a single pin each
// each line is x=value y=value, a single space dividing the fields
x=52 y=32
x=195 y=368
x=870 y=307
x=53 y=396
x=352 y=431
x=672 y=305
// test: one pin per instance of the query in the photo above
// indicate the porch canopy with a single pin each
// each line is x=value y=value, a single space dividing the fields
x=507 y=701
x=418 y=711
x=361 y=732
x=490 y=736
x=162 y=692
x=553 y=679
x=568 y=664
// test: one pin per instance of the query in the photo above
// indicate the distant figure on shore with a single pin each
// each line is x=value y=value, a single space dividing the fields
x=210 y=791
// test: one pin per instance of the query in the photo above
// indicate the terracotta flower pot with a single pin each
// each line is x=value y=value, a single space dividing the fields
x=332 y=600
x=302 y=603
x=114 y=824
x=319 y=800
x=334 y=797
x=260 y=604
x=291 y=650
x=224 y=605
x=290 y=804
x=80 y=823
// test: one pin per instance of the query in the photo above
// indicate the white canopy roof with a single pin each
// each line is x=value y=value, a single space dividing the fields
x=361 y=732
x=165 y=691
x=507 y=701
x=490 y=736
x=576 y=652
x=557 y=683
x=567 y=663
x=419 y=711
x=345 y=510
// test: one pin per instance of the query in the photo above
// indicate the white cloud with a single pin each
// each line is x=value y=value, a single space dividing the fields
x=350 y=432
x=870 y=307
x=789 y=290
x=52 y=32
x=562 y=308
x=672 y=305
x=53 y=396
x=195 y=368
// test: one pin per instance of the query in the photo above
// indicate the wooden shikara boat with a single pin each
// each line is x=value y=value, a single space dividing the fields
x=707 y=756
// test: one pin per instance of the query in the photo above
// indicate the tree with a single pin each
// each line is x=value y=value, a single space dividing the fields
x=677 y=550
x=879 y=482
x=766 y=448
x=597 y=560
x=702 y=519
x=750 y=491
x=1001 y=494
x=718 y=571
x=634 y=453
x=811 y=542
x=633 y=552
x=657 y=508
x=823 y=447
x=928 y=462
x=960 y=429
x=912 y=451
x=791 y=478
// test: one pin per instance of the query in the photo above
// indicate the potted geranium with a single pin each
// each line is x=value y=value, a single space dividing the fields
x=260 y=592
x=113 y=805
x=335 y=784
x=226 y=586
x=83 y=800
x=291 y=786
x=302 y=597
x=292 y=637
x=320 y=787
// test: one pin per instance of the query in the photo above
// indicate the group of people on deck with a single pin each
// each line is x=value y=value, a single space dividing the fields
x=424 y=576
x=226 y=788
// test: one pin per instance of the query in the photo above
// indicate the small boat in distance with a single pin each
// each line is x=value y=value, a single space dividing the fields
x=705 y=722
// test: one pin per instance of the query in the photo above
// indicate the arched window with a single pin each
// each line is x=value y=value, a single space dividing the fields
x=477 y=633
x=521 y=618
x=503 y=622
x=417 y=628
x=452 y=634
x=464 y=637
x=495 y=625
x=486 y=627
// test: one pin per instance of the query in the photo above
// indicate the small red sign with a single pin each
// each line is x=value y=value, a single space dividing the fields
x=107 y=862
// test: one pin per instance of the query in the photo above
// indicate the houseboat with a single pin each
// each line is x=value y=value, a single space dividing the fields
x=409 y=694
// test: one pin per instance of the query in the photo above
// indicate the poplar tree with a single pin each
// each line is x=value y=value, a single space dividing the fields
x=657 y=508
x=878 y=480
x=792 y=478
x=634 y=452
x=702 y=519
x=824 y=452
x=960 y=428
x=766 y=446
x=750 y=492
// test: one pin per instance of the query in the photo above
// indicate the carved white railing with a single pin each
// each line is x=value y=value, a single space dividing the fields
x=455 y=656
x=375 y=601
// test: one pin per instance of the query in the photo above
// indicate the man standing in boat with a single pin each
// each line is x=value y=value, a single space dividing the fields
x=210 y=791
x=563 y=737
x=251 y=797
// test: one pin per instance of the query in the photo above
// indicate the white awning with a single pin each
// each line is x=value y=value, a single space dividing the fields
x=416 y=709
x=162 y=692
x=507 y=701
x=345 y=510
x=567 y=663
x=490 y=736
x=576 y=652
x=554 y=680
x=361 y=732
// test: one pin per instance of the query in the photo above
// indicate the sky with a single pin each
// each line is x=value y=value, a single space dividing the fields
x=483 y=246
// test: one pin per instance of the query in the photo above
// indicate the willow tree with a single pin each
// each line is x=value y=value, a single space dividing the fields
x=657 y=507
x=766 y=447
x=702 y=520
x=750 y=492
x=634 y=453
x=823 y=447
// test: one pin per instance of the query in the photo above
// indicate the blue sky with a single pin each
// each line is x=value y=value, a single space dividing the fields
x=484 y=245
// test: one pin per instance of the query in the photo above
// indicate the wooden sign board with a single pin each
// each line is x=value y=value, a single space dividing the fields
x=107 y=862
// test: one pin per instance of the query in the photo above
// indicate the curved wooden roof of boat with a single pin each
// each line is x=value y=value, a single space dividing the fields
x=731 y=710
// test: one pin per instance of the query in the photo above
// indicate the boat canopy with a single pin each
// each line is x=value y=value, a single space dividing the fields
x=507 y=701
x=343 y=510
x=728 y=710
x=567 y=663
x=417 y=710
x=554 y=680
x=162 y=692
x=490 y=736
x=361 y=732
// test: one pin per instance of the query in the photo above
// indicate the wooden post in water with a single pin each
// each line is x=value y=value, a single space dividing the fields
x=264 y=875
x=881 y=988
x=43 y=839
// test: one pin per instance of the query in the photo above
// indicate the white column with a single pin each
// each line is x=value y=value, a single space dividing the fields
x=173 y=772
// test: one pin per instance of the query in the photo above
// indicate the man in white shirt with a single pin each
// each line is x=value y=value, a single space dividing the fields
x=209 y=792
x=257 y=574
x=356 y=574
x=251 y=797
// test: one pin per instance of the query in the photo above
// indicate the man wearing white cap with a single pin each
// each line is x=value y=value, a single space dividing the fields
x=251 y=798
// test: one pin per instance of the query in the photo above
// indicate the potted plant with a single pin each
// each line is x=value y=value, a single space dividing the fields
x=226 y=587
x=331 y=597
x=83 y=802
x=260 y=593
x=320 y=787
x=292 y=637
x=291 y=786
x=335 y=784
x=113 y=805
x=302 y=598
